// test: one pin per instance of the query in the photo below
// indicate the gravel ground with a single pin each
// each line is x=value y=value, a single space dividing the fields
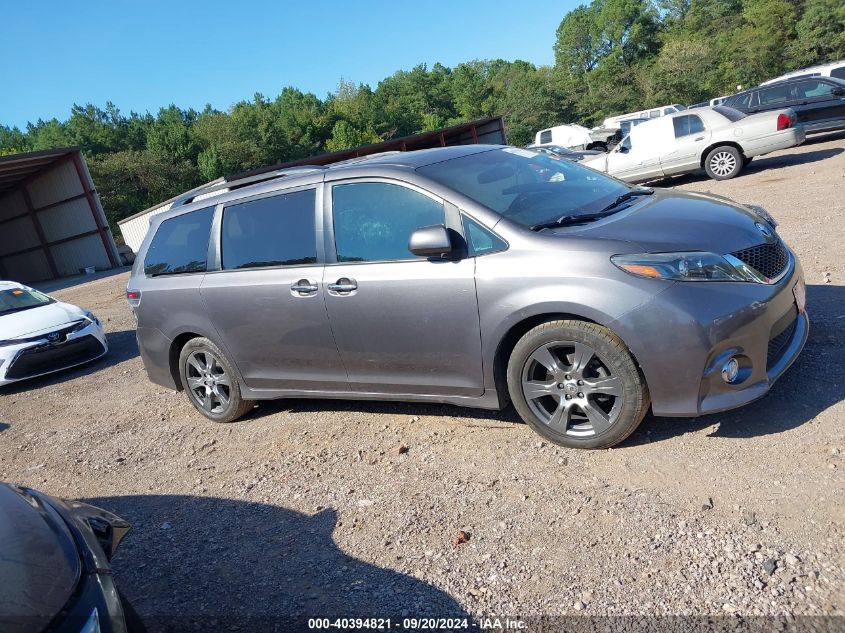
x=354 y=508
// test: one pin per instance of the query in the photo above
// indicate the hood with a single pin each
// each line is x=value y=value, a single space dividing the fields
x=37 y=320
x=39 y=562
x=671 y=221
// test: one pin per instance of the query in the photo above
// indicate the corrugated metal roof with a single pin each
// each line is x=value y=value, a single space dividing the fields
x=19 y=167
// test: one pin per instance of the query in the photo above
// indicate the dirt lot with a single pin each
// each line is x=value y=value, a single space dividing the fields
x=303 y=508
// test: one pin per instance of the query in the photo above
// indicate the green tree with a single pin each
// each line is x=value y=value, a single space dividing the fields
x=820 y=33
x=345 y=136
x=130 y=181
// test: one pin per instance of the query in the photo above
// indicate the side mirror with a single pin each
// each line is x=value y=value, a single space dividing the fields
x=430 y=241
x=838 y=92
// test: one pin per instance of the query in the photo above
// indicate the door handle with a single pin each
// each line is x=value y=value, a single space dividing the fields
x=304 y=287
x=343 y=285
x=700 y=138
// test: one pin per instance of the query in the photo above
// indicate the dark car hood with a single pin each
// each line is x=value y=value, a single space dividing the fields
x=673 y=221
x=39 y=562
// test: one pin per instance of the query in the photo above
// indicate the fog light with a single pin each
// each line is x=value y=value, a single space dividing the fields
x=730 y=370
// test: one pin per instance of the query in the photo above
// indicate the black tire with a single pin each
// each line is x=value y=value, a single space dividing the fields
x=609 y=364
x=724 y=162
x=226 y=408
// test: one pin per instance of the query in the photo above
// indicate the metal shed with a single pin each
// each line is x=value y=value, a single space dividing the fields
x=485 y=131
x=51 y=221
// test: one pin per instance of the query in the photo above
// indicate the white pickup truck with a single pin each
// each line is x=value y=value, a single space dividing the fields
x=720 y=140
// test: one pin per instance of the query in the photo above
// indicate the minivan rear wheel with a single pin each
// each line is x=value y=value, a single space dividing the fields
x=724 y=162
x=576 y=384
x=210 y=381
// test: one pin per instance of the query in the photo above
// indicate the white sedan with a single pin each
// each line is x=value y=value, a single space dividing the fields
x=39 y=335
x=720 y=140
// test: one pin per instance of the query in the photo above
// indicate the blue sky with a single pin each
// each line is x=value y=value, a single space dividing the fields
x=146 y=54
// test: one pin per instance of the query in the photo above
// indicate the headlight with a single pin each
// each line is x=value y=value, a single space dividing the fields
x=679 y=266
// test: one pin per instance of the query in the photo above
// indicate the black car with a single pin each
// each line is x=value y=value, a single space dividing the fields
x=819 y=102
x=54 y=565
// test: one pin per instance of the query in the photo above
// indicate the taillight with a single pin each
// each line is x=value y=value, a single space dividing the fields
x=133 y=297
x=784 y=121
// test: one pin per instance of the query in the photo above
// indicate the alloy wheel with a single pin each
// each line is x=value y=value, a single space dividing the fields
x=208 y=383
x=571 y=389
x=722 y=163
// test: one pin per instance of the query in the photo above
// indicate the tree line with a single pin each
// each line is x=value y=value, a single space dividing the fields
x=611 y=56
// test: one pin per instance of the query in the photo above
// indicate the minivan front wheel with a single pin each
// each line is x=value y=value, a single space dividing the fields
x=210 y=381
x=576 y=384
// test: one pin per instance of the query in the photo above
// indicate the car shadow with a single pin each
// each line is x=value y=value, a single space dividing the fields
x=205 y=563
x=757 y=165
x=123 y=346
x=383 y=407
x=814 y=383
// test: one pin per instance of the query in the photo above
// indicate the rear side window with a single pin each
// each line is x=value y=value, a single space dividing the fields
x=739 y=101
x=687 y=124
x=775 y=96
x=275 y=231
x=180 y=245
x=546 y=136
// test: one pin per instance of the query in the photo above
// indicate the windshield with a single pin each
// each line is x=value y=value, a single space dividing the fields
x=17 y=299
x=524 y=186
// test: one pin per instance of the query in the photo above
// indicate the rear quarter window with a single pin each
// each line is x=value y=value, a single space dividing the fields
x=180 y=244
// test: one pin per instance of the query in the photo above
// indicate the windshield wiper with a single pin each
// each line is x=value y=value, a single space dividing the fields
x=577 y=218
x=627 y=196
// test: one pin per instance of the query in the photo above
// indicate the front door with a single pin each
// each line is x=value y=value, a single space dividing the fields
x=819 y=106
x=266 y=301
x=403 y=324
x=634 y=161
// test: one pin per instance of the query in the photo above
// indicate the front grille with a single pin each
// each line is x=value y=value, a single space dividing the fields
x=61 y=333
x=47 y=358
x=770 y=260
x=782 y=332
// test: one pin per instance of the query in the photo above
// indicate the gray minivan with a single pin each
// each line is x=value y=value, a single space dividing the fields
x=472 y=275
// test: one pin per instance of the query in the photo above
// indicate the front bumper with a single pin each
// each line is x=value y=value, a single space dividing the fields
x=37 y=356
x=683 y=336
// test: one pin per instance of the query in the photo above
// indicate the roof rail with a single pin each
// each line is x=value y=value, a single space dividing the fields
x=218 y=186
x=361 y=159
